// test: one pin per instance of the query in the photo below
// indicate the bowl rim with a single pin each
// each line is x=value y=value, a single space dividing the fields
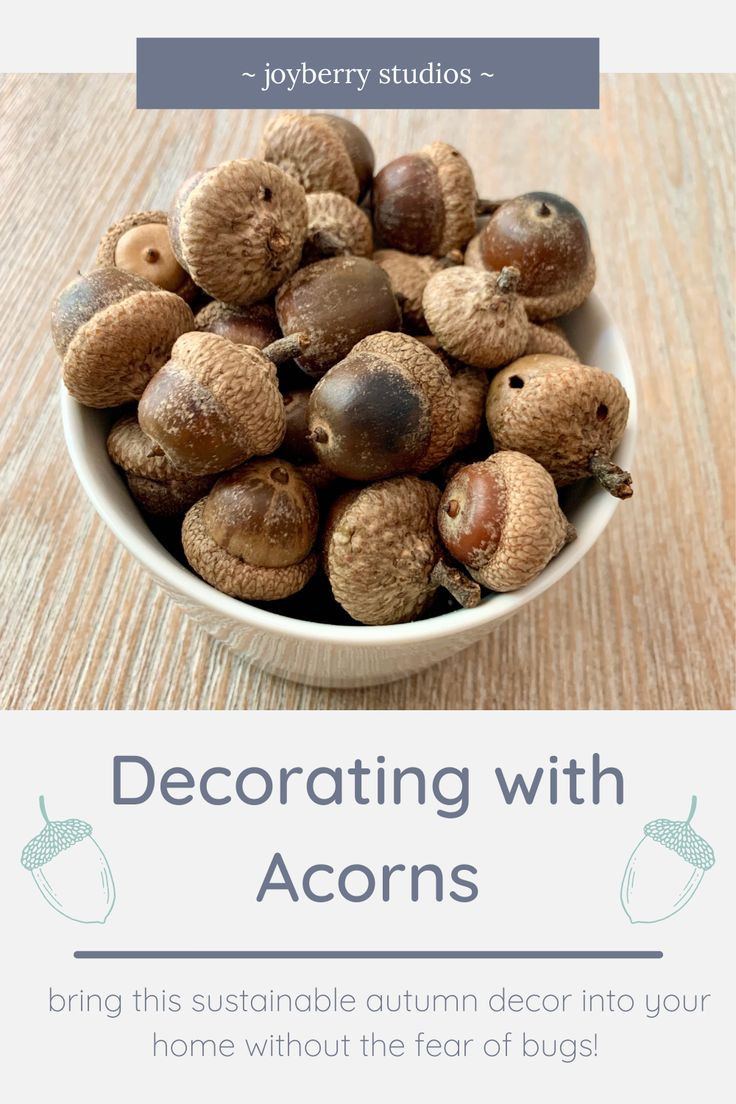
x=153 y=556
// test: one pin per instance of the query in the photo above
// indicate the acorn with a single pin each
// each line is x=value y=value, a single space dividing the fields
x=296 y=445
x=388 y=407
x=252 y=536
x=570 y=417
x=113 y=331
x=325 y=153
x=157 y=486
x=471 y=388
x=500 y=518
x=140 y=243
x=477 y=316
x=549 y=337
x=409 y=273
x=215 y=404
x=255 y=325
x=426 y=202
x=382 y=554
x=335 y=226
x=238 y=229
x=335 y=303
x=546 y=238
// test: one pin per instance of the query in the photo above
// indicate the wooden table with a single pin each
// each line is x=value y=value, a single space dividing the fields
x=646 y=621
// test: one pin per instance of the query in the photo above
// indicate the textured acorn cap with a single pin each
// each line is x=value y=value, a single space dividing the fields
x=155 y=484
x=558 y=411
x=549 y=338
x=233 y=576
x=458 y=193
x=171 y=272
x=408 y=273
x=476 y=316
x=168 y=498
x=238 y=229
x=217 y=390
x=56 y=836
x=114 y=330
x=543 y=308
x=380 y=547
x=338 y=216
x=471 y=388
x=473 y=258
x=323 y=152
x=502 y=520
x=254 y=325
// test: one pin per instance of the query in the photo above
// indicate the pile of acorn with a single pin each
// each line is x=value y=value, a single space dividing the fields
x=306 y=400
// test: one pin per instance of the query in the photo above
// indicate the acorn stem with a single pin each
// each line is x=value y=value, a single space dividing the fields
x=462 y=589
x=693 y=807
x=286 y=348
x=616 y=481
x=488 y=206
x=42 y=805
x=328 y=244
x=508 y=279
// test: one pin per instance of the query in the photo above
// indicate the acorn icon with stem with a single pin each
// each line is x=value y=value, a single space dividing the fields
x=70 y=869
x=665 y=869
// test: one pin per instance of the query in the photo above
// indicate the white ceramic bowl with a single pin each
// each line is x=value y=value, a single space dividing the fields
x=347 y=655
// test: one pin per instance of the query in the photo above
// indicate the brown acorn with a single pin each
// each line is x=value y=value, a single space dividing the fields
x=409 y=273
x=335 y=303
x=325 y=153
x=252 y=536
x=156 y=485
x=140 y=243
x=254 y=325
x=501 y=519
x=570 y=417
x=389 y=407
x=215 y=404
x=477 y=316
x=426 y=202
x=546 y=238
x=336 y=226
x=238 y=229
x=382 y=553
x=113 y=331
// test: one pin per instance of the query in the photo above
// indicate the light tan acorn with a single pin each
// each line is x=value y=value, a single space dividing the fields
x=238 y=229
x=252 y=536
x=389 y=407
x=500 y=518
x=140 y=243
x=382 y=553
x=155 y=484
x=570 y=417
x=325 y=153
x=215 y=404
x=477 y=316
x=113 y=331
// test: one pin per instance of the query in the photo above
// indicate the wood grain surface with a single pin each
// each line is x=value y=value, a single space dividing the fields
x=645 y=621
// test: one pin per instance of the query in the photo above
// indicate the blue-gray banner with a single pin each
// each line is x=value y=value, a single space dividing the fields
x=368 y=72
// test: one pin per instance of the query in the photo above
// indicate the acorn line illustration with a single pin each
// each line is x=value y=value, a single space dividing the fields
x=665 y=869
x=70 y=869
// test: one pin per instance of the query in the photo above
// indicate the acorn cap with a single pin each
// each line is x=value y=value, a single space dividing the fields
x=471 y=388
x=559 y=412
x=680 y=837
x=501 y=519
x=335 y=214
x=168 y=498
x=473 y=258
x=216 y=392
x=238 y=229
x=335 y=302
x=152 y=259
x=56 y=836
x=325 y=153
x=408 y=273
x=476 y=316
x=458 y=192
x=114 y=330
x=380 y=547
x=254 y=325
x=549 y=338
x=137 y=453
x=233 y=576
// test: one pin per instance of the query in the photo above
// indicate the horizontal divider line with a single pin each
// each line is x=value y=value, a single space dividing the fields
x=369 y=954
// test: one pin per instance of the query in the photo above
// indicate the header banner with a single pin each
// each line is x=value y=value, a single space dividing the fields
x=372 y=73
